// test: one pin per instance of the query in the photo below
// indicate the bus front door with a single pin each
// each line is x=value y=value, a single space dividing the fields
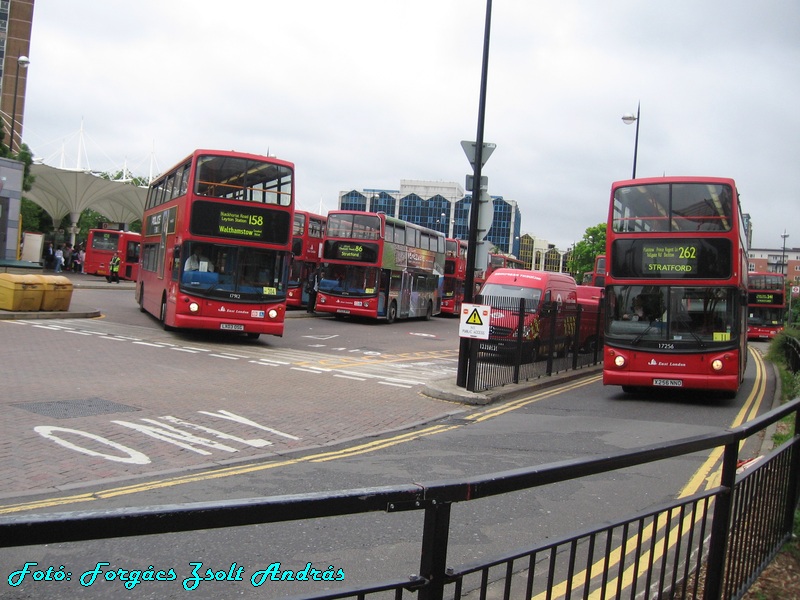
x=405 y=295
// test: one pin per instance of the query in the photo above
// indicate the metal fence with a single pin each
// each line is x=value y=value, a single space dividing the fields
x=712 y=545
x=526 y=343
x=791 y=351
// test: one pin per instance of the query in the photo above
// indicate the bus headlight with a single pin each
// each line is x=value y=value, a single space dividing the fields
x=619 y=360
x=273 y=314
x=194 y=306
x=717 y=364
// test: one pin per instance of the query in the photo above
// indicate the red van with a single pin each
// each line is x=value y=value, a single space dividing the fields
x=590 y=299
x=544 y=292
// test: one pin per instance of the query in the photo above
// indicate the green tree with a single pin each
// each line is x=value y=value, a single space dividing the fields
x=582 y=259
x=34 y=218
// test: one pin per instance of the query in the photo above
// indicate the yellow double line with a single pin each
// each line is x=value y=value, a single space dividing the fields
x=707 y=476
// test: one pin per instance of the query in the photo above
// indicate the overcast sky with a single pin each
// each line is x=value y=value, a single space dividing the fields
x=364 y=93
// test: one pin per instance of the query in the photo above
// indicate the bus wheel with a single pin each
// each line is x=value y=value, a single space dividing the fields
x=141 y=299
x=163 y=316
x=391 y=314
x=252 y=335
x=429 y=312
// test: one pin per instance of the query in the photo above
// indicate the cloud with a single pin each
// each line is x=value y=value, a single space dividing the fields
x=363 y=94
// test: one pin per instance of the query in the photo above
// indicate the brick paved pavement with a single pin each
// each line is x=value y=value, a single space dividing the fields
x=56 y=365
x=136 y=427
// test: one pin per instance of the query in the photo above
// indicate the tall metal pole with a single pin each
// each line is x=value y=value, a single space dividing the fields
x=636 y=140
x=23 y=62
x=628 y=119
x=469 y=283
x=784 y=235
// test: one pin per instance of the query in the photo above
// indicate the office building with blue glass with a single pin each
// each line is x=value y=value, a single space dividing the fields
x=443 y=206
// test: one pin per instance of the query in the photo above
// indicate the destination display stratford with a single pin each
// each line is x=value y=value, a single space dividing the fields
x=685 y=258
x=669 y=256
x=354 y=251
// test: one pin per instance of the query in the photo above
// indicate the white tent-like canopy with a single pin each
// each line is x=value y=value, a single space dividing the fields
x=63 y=192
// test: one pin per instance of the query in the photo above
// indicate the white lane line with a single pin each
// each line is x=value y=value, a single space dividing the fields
x=350 y=377
x=394 y=384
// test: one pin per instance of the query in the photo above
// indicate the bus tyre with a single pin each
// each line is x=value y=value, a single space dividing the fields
x=163 y=314
x=429 y=312
x=141 y=299
x=251 y=335
x=391 y=314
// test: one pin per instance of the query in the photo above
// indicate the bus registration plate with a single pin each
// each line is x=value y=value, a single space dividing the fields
x=231 y=327
x=668 y=382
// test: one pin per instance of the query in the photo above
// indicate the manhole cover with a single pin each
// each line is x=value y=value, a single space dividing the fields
x=69 y=409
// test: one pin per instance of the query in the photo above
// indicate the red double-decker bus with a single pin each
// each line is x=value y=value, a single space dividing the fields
x=502 y=261
x=101 y=244
x=307 y=235
x=766 y=305
x=455 y=273
x=676 y=286
x=217 y=242
x=380 y=267
x=597 y=277
x=494 y=262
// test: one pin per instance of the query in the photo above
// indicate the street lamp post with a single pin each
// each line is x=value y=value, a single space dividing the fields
x=784 y=235
x=22 y=61
x=628 y=119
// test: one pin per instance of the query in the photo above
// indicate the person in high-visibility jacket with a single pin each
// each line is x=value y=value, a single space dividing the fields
x=113 y=268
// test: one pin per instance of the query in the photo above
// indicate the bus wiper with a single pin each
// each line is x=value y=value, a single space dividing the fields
x=697 y=338
x=639 y=337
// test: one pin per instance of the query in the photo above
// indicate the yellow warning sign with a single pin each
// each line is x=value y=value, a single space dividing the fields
x=475 y=321
x=474 y=318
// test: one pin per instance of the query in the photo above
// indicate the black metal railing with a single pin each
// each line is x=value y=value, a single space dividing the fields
x=527 y=342
x=791 y=350
x=711 y=545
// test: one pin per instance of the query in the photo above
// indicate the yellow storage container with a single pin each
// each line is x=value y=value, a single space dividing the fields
x=20 y=292
x=57 y=292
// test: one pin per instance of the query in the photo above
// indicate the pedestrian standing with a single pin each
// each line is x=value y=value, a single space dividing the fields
x=113 y=268
x=67 y=257
x=81 y=258
x=312 y=287
x=49 y=256
x=59 y=260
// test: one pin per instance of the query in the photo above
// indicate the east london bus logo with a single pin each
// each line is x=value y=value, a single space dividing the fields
x=654 y=363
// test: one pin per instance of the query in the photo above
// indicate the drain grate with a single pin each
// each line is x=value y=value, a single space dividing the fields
x=69 y=409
